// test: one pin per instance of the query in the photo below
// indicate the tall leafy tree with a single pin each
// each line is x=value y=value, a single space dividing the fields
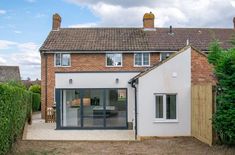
x=224 y=68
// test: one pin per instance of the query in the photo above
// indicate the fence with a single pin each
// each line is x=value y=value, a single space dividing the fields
x=203 y=104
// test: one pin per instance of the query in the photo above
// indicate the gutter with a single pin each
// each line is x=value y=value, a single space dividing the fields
x=133 y=85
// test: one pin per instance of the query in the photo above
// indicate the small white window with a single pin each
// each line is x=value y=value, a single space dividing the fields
x=62 y=59
x=165 y=106
x=142 y=59
x=164 y=55
x=114 y=60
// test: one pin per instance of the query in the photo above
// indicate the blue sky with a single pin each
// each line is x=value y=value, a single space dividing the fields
x=25 y=24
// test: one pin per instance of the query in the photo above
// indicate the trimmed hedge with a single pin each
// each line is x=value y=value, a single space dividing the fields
x=36 y=101
x=15 y=108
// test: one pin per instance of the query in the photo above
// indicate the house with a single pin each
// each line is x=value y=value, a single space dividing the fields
x=126 y=78
x=9 y=73
x=28 y=82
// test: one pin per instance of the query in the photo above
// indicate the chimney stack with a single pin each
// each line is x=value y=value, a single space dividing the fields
x=234 y=22
x=56 y=22
x=148 y=21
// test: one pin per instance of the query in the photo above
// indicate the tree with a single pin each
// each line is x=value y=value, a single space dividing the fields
x=215 y=55
x=35 y=88
x=224 y=69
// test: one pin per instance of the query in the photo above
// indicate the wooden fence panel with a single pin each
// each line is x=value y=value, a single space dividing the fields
x=202 y=99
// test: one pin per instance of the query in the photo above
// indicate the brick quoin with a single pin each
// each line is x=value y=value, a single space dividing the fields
x=82 y=62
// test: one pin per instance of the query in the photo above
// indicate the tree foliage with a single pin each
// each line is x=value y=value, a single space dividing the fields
x=35 y=88
x=224 y=68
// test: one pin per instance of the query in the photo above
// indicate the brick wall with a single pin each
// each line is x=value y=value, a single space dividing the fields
x=81 y=62
x=202 y=71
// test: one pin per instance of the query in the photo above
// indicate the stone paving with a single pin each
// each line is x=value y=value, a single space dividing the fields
x=39 y=130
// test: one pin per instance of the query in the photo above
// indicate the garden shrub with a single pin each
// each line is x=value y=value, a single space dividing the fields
x=224 y=68
x=15 y=108
x=36 y=102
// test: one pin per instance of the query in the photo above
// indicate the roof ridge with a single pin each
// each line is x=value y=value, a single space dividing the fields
x=195 y=28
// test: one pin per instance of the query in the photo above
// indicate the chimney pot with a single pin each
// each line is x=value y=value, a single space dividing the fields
x=56 y=21
x=148 y=20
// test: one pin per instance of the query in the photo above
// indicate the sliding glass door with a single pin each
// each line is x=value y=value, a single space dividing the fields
x=116 y=107
x=71 y=108
x=92 y=108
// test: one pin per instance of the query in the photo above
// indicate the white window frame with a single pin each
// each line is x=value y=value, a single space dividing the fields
x=164 y=53
x=164 y=119
x=61 y=60
x=106 y=55
x=142 y=61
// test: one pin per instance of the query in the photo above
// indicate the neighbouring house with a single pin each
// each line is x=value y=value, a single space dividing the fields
x=30 y=82
x=126 y=78
x=9 y=73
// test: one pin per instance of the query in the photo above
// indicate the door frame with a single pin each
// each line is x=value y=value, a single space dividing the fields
x=59 y=115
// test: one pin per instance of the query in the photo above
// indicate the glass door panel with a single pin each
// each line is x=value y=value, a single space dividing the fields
x=93 y=108
x=71 y=108
x=116 y=108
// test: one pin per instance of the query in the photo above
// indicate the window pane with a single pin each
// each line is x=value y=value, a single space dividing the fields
x=118 y=59
x=65 y=59
x=159 y=106
x=116 y=107
x=109 y=60
x=138 y=59
x=145 y=58
x=170 y=106
x=165 y=55
x=57 y=57
x=114 y=59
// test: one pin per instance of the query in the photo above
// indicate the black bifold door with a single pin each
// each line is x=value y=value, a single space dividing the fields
x=91 y=108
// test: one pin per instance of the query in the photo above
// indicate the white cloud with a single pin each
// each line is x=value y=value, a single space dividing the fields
x=83 y=25
x=25 y=55
x=17 y=32
x=2 y=12
x=40 y=15
x=178 y=13
x=2 y=61
x=5 y=44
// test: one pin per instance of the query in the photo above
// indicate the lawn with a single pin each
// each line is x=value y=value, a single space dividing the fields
x=157 y=146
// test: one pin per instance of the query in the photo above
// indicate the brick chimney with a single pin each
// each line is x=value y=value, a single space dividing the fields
x=56 y=22
x=148 y=21
x=234 y=22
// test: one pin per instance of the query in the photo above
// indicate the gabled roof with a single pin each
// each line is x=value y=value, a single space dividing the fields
x=164 y=61
x=9 y=73
x=133 y=39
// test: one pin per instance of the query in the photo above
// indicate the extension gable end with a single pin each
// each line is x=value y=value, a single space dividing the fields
x=164 y=93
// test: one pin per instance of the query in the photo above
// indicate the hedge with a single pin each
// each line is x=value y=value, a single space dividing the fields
x=15 y=108
x=36 y=101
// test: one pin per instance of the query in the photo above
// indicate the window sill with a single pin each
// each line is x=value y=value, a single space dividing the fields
x=62 y=66
x=113 y=66
x=142 y=66
x=166 y=121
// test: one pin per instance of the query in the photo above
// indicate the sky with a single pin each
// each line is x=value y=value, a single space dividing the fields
x=25 y=24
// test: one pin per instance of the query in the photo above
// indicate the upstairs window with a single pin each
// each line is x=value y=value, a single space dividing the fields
x=164 y=55
x=114 y=60
x=142 y=59
x=62 y=59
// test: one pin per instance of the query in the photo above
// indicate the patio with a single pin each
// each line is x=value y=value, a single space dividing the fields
x=39 y=130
